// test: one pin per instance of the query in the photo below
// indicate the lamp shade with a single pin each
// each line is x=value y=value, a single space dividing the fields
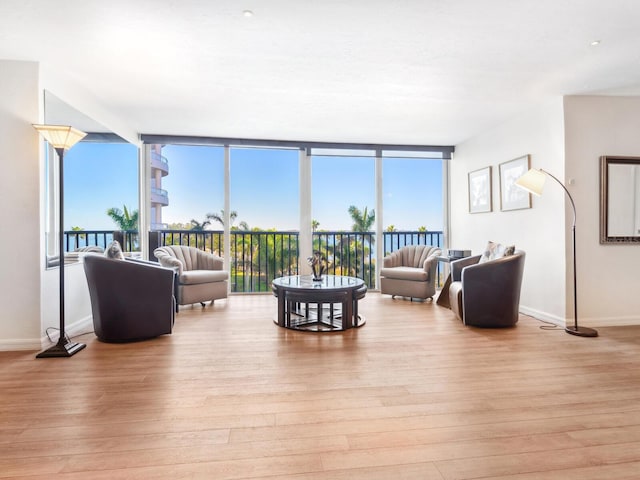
x=532 y=181
x=60 y=136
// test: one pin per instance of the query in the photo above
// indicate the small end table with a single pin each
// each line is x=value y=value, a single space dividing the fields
x=443 y=298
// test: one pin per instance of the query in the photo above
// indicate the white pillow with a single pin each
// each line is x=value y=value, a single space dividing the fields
x=496 y=250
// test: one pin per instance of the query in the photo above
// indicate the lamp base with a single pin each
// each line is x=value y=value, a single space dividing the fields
x=61 y=350
x=582 y=331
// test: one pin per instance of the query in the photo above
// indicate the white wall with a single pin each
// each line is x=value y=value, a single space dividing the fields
x=78 y=97
x=608 y=274
x=565 y=137
x=540 y=231
x=20 y=212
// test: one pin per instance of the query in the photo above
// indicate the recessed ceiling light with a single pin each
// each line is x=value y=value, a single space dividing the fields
x=247 y=13
x=595 y=43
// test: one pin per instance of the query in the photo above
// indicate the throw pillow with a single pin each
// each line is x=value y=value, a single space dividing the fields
x=496 y=250
x=492 y=251
x=114 y=250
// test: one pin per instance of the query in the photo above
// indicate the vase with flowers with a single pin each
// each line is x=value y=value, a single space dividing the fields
x=318 y=264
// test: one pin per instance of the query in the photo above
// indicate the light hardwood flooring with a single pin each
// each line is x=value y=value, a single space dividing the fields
x=413 y=394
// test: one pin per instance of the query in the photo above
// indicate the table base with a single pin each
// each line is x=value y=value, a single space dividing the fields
x=307 y=317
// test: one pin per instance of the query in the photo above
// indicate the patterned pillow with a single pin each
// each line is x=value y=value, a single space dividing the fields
x=114 y=250
x=496 y=250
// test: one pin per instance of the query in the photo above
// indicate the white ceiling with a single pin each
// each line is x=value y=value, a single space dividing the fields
x=382 y=71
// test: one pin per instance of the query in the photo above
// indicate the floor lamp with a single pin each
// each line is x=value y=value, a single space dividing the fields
x=61 y=138
x=533 y=182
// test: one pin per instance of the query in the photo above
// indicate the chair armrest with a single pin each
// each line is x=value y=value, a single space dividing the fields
x=430 y=265
x=391 y=260
x=172 y=263
x=458 y=265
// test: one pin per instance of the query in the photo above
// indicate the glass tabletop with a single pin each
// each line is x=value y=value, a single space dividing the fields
x=328 y=282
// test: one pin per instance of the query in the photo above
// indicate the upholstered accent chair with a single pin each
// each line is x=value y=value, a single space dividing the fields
x=200 y=274
x=487 y=294
x=130 y=299
x=410 y=272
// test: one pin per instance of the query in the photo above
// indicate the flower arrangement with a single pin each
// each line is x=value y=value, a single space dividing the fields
x=318 y=264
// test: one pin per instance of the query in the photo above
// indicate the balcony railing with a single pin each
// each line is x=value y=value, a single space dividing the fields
x=75 y=239
x=160 y=162
x=257 y=257
x=158 y=195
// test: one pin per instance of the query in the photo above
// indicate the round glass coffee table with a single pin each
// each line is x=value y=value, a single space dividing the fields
x=327 y=305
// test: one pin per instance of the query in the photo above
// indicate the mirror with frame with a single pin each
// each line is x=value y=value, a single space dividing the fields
x=619 y=199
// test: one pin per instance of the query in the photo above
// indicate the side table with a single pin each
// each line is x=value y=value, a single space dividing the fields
x=443 y=298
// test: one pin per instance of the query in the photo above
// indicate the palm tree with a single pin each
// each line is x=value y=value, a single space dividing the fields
x=198 y=226
x=391 y=228
x=79 y=236
x=362 y=221
x=242 y=226
x=124 y=219
x=127 y=222
x=314 y=225
x=220 y=217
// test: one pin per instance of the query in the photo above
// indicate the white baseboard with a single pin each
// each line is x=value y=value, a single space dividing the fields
x=83 y=325
x=583 y=321
x=544 y=316
x=19 y=344
x=610 y=321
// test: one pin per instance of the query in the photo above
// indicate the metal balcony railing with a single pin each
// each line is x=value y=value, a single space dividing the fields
x=75 y=239
x=257 y=257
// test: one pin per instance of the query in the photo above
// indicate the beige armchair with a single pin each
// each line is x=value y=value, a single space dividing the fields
x=199 y=273
x=410 y=272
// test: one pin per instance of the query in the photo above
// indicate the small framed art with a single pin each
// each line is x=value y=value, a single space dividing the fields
x=513 y=197
x=480 y=190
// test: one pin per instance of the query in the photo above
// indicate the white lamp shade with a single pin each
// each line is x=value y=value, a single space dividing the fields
x=60 y=136
x=532 y=181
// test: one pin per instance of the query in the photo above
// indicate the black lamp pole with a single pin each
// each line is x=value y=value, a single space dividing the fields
x=575 y=329
x=62 y=348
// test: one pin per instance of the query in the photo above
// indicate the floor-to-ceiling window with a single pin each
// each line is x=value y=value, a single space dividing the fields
x=187 y=195
x=264 y=201
x=100 y=195
x=352 y=204
x=413 y=201
x=343 y=211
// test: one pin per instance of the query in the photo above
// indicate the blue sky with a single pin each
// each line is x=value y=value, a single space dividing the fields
x=98 y=177
x=264 y=187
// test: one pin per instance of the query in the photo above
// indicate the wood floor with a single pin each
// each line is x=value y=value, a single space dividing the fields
x=413 y=394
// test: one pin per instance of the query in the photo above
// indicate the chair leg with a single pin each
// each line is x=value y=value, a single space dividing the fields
x=202 y=303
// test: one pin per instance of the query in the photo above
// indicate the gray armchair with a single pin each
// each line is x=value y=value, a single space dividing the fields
x=410 y=272
x=200 y=275
x=130 y=299
x=487 y=294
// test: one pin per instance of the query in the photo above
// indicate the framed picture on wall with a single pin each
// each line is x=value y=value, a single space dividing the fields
x=513 y=197
x=480 y=190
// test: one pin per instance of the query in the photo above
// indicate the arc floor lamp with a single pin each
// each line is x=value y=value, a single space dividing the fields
x=533 y=182
x=61 y=138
